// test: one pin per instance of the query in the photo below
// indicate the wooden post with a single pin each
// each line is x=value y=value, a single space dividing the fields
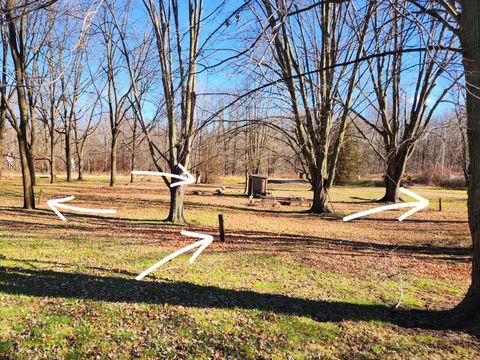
x=439 y=204
x=40 y=197
x=221 y=228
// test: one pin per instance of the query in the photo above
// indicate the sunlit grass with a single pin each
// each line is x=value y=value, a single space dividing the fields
x=273 y=290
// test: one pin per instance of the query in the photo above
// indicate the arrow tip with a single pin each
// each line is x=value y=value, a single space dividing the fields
x=187 y=178
x=53 y=205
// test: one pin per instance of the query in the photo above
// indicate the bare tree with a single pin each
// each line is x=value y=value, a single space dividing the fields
x=117 y=95
x=90 y=119
x=300 y=41
x=469 y=33
x=3 y=91
x=77 y=101
x=143 y=81
x=49 y=106
x=459 y=120
x=178 y=62
x=461 y=18
x=134 y=149
x=402 y=118
x=16 y=21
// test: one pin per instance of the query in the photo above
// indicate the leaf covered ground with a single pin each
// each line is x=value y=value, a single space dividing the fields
x=285 y=284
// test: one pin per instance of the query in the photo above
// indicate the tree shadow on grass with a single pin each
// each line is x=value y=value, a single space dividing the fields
x=85 y=221
x=246 y=208
x=410 y=220
x=35 y=264
x=47 y=283
x=269 y=240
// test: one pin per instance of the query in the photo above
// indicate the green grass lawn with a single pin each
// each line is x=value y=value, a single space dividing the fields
x=286 y=284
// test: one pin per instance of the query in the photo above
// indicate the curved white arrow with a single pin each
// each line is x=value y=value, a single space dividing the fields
x=58 y=203
x=187 y=179
x=417 y=205
x=202 y=244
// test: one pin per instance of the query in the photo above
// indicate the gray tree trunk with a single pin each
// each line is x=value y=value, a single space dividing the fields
x=320 y=196
x=68 y=155
x=2 y=133
x=175 y=213
x=177 y=196
x=22 y=130
x=469 y=309
x=393 y=176
x=28 y=192
x=53 y=161
x=31 y=164
x=80 y=167
x=113 y=161
x=134 y=149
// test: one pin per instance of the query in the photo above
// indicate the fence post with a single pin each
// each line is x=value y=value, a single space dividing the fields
x=40 y=197
x=221 y=228
x=439 y=204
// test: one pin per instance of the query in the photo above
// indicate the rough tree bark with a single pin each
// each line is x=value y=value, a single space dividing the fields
x=3 y=103
x=469 y=309
x=31 y=157
x=134 y=150
x=53 y=160
x=68 y=154
x=2 y=134
x=177 y=195
x=113 y=160
x=80 y=169
x=320 y=195
x=396 y=164
x=23 y=126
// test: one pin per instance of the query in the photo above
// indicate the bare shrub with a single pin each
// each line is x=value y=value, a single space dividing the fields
x=457 y=183
x=440 y=177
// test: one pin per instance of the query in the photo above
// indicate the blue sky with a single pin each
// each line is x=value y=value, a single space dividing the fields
x=232 y=77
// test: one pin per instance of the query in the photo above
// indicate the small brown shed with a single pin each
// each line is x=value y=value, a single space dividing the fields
x=257 y=185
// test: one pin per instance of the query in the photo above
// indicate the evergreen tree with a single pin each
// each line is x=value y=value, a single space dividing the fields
x=350 y=159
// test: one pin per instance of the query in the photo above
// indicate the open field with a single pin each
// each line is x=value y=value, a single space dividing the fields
x=285 y=284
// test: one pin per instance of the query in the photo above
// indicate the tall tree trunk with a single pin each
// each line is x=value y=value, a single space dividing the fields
x=31 y=164
x=469 y=308
x=465 y=166
x=2 y=134
x=80 y=166
x=134 y=149
x=392 y=186
x=30 y=150
x=3 y=105
x=175 y=213
x=393 y=175
x=320 y=196
x=28 y=192
x=68 y=155
x=53 y=161
x=177 y=195
x=22 y=130
x=113 y=161
x=247 y=176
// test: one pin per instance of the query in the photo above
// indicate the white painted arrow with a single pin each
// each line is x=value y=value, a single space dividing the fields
x=187 y=179
x=58 y=203
x=417 y=205
x=202 y=244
